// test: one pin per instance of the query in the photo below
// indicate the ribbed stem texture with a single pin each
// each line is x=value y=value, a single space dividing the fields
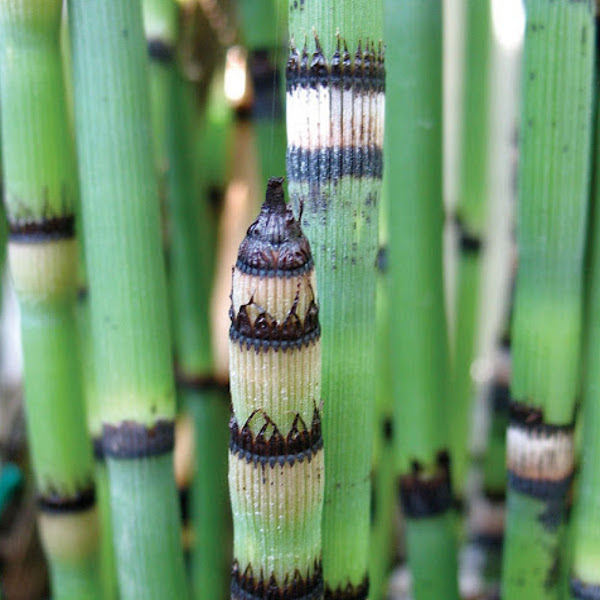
x=276 y=458
x=335 y=115
x=40 y=195
x=132 y=350
x=556 y=122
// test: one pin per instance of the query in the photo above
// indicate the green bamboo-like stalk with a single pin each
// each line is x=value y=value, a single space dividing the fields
x=191 y=256
x=417 y=323
x=107 y=565
x=471 y=218
x=132 y=351
x=384 y=484
x=263 y=27
x=276 y=474
x=40 y=191
x=585 y=567
x=553 y=189
x=334 y=112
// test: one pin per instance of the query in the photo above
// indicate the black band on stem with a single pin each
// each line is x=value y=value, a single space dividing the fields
x=55 y=503
x=129 y=439
x=45 y=230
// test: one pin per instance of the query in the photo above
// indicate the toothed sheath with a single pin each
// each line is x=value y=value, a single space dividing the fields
x=276 y=449
x=40 y=195
x=335 y=113
x=553 y=188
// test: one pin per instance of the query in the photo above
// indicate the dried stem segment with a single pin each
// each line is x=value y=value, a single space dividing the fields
x=553 y=192
x=40 y=194
x=335 y=114
x=276 y=450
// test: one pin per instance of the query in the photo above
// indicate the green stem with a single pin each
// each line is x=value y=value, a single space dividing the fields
x=40 y=191
x=553 y=196
x=336 y=77
x=418 y=324
x=132 y=350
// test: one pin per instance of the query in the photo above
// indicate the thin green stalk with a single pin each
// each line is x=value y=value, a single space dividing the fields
x=276 y=460
x=585 y=566
x=384 y=481
x=132 y=351
x=263 y=27
x=471 y=219
x=190 y=257
x=418 y=325
x=335 y=98
x=553 y=188
x=108 y=572
x=40 y=195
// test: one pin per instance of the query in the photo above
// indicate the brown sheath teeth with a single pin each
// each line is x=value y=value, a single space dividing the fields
x=532 y=418
x=129 y=439
x=44 y=230
x=366 y=72
x=425 y=496
x=292 y=330
x=246 y=586
x=56 y=503
x=274 y=244
x=270 y=447
x=349 y=592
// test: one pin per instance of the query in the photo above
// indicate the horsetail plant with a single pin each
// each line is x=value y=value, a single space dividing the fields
x=40 y=191
x=470 y=220
x=335 y=112
x=131 y=346
x=553 y=190
x=417 y=323
x=276 y=449
x=263 y=26
x=585 y=568
x=190 y=276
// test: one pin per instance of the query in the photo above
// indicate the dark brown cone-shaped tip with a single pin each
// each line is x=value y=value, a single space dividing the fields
x=274 y=244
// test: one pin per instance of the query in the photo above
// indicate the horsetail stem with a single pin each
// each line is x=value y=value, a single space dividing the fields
x=40 y=195
x=132 y=352
x=585 y=568
x=276 y=448
x=190 y=278
x=418 y=324
x=335 y=112
x=553 y=192
x=263 y=27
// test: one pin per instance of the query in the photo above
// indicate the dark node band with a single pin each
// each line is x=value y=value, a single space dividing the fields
x=468 y=242
x=495 y=496
x=55 y=503
x=160 y=50
x=265 y=83
x=500 y=397
x=364 y=71
x=531 y=418
x=245 y=585
x=382 y=259
x=542 y=489
x=288 y=273
x=266 y=328
x=275 y=345
x=349 y=592
x=332 y=163
x=270 y=447
x=45 y=230
x=423 y=495
x=98 y=448
x=581 y=591
x=275 y=242
x=491 y=541
x=129 y=439
x=199 y=383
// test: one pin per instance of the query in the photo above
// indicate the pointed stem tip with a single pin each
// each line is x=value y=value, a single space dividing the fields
x=274 y=197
